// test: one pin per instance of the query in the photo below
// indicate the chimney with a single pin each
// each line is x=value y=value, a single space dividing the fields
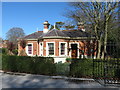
x=46 y=27
x=81 y=26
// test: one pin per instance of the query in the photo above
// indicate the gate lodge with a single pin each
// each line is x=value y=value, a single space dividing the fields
x=61 y=44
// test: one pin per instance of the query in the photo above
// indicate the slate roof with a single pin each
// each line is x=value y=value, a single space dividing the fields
x=58 y=33
x=35 y=35
x=76 y=33
x=54 y=33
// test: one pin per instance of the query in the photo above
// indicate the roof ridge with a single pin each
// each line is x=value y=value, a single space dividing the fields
x=56 y=32
x=70 y=30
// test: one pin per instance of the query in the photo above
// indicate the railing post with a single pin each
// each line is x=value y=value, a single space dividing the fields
x=104 y=72
x=93 y=69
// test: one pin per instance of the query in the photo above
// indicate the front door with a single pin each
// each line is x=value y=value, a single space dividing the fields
x=74 y=50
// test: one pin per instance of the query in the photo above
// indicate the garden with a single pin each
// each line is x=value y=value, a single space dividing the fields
x=80 y=68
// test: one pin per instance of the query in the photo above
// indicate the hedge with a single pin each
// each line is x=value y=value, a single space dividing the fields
x=3 y=51
x=62 y=69
x=45 y=66
x=86 y=68
x=81 y=68
x=26 y=64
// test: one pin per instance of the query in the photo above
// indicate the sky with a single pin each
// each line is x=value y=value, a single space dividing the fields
x=30 y=15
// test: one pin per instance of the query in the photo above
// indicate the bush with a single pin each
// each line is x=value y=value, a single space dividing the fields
x=68 y=59
x=15 y=52
x=62 y=68
x=86 y=68
x=81 y=68
x=117 y=73
x=26 y=64
x=3 y=50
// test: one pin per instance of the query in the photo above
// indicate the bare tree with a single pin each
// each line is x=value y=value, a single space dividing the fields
x=23 y=44
x=98 y=15
x=109 y=10
x=14 y=33
x=10 y=47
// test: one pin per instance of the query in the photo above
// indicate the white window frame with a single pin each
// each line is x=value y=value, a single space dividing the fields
x=65 y=48
x=41 y=49
x=27 y=49
x=77 y=49
x=47 y=52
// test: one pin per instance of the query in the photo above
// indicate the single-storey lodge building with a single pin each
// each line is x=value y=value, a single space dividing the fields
x=61 y=44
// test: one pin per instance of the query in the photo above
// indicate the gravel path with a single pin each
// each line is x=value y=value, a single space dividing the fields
x=41 y=81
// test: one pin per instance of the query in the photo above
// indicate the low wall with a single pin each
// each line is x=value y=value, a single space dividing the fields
x=60 y=59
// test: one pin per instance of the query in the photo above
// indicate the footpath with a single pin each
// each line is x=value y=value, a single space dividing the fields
x=22 y=80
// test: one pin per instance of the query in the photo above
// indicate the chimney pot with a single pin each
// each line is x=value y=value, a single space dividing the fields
x=81 y=26
x=46 y=27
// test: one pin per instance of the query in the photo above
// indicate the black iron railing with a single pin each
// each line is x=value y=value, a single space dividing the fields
x=107 y=70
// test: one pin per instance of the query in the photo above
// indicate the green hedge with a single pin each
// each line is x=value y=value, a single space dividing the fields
x=86 y=68
x=34 y=65
x=81 y=68
x=45 y=66
x=3 y=50
x=62 y=69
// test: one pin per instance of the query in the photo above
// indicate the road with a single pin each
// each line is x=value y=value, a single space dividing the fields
x=42 y=81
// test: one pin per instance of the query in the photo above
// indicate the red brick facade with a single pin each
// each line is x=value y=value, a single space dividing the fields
x=82 y=45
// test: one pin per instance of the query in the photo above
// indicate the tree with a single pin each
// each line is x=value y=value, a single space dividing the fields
x=58 y=25
x=108 y=13
x=14 y=33
x=113 y=48
x=10 y=47
x=1 y=39
x=68 y=27
x=23 y=45
x=98 y=15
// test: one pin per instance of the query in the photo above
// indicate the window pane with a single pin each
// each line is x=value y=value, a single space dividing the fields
x=62 y=48
x=51 y=48
x=29 y=48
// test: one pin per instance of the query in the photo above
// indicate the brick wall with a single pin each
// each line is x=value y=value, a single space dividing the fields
x=56 y=45
x=36 y=48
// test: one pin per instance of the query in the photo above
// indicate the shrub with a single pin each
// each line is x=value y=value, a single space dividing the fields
x=68 y=59
x=15 y=51
x=10 y=46
x=26 y=64
x=3 y=50
x=62 y=68
x=81 y=68
x=23 y=43
x=99 y=68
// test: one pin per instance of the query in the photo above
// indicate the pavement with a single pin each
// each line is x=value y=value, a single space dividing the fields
x=12 y=80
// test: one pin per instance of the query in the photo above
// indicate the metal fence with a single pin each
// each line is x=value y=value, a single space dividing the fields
x=107 y=70
x=113 y=49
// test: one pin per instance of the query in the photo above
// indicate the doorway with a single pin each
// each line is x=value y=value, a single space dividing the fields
x=74 y=51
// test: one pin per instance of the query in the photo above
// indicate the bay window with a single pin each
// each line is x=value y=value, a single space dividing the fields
x=29 y=49
x=50 y=49
x=62 y=48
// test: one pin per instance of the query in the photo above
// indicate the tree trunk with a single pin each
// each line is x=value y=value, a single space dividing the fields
x=10 y=53
x=22 y=53
x=99 y=41
x=105 y=38
x=99 y=49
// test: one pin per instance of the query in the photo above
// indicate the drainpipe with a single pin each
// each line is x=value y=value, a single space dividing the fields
x=38 y=46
